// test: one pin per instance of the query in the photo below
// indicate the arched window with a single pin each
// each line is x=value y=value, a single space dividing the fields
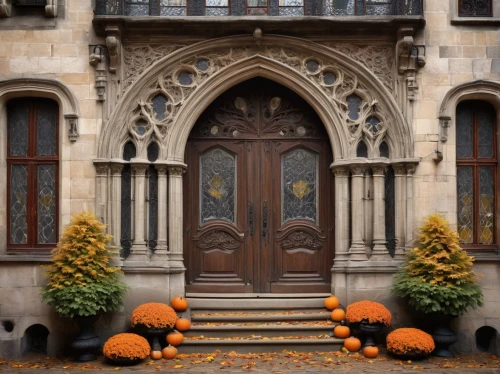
x=476 y=173
x=152 y=199
x=126 y=200
x=32 y=173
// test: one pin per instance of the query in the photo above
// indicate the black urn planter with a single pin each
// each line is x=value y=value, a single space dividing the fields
x=87 y=343
x=153 y=335
x=443 y=336
x=367 y=330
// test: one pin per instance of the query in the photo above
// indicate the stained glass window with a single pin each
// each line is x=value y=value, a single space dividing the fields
x=291 y=8
x=217 y=7
x=136 y=7
x=153 y=151
x=129 y=152
x=218 y=186
x=476 y=172
x=299 y=185
x=32 y=173
x=390 y=212
x=257 y=7
x=475 y=8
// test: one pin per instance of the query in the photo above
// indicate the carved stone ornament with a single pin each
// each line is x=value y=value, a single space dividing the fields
x=410 y=169
x=5 y=8
x=116 y=168
x=301 y=239
x=444 y=124
x=341 y=172
x=98 y=60
x=379 y=170
x=72 y=123
x=51 y=9
x=102 y=169
x=399 y=169
x=217 y=239
x=358 y=170
x=113 y=43
x=139 y=169
x=175 y=171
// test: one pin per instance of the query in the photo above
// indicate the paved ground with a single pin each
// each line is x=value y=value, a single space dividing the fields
x=276 y=363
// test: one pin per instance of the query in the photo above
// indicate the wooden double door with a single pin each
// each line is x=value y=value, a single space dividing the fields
x=258 y=195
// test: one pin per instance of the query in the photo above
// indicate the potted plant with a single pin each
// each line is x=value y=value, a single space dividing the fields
x=369 y=317
x=437 y=279
x=409 y=343
x=125 y=348
x=81 y=283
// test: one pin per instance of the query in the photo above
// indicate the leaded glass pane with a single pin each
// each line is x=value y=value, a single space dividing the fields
x=465 y=125
x=153 y=151
x=159 y=103
x=299 y=170
x=129 y=151
x=18 y=204
x=486 y=204
x=46 y=134
x=46 y=195
x=384 y=150
x=390 y=219
x=486 y=129
x=153 y=207
x=218 y=186
x=217 y=12
x=136 y=10
x=465 y=187
x=378 y=7
x=475 y=8
x=173 y=8
x=291 y=11
x=18 y=115
x=353 y=105
x=372 y=124
x=126 y=212
x=216 y=3
x=257 y=7
x=362 y=150
x=338 y=7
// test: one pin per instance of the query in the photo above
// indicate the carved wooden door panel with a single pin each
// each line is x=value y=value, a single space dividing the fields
x=258 y=214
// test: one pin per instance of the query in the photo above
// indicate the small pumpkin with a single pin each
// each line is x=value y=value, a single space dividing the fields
x=341 y=332
x=169 y=353
x=179 y=304
x=338 y=315
x=156 y=355
x=182 y=324
x=370 y=352
x=175 y=338
x=352 y=344
x=332 y=302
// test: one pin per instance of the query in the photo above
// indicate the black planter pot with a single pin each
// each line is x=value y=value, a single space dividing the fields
x=153 y=335
x=87 y=343
x=367 y=330
x=443 y=336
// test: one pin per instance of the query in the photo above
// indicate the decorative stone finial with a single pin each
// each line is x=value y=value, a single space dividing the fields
x=257 y=35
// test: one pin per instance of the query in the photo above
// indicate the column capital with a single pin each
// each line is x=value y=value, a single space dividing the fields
x=176 y=171
x=340 y=171
x=139 y=168
x=410 y=169
x=101 y=168
x=379 y=169
x=399 y=170
x=357 y=170
x=116 y=168
x=161 y=168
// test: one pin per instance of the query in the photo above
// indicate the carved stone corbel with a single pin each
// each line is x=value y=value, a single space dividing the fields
x=72 y=123
x=444 y=123
x=5 y=8
x=51 y=9
x=98 y=60
x=113 y=43
x=403 y=47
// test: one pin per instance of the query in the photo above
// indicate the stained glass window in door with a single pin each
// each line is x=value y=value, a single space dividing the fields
x=465 y=183
x=299 y=185
x=46 y=134
x=217 y=186
x=486 y=131
x=46 y=204
x=18 y=204
x=465 y=122
x=486 y=204
x=18 y=128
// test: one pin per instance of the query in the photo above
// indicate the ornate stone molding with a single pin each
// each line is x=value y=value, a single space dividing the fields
x=139 y=168
x=116 y=168
x=98 y=60
x=101 y=168
x=341 y=171
x=72 y=124
x=399 y=169
x=114 y=46
x=357 y=170
x=379 y=170
x=176 y=171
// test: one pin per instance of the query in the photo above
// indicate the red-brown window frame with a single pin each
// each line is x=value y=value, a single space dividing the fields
x=32 y=160
x=475 y=162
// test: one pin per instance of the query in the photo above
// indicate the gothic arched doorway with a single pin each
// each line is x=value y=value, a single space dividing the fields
x=258 y=195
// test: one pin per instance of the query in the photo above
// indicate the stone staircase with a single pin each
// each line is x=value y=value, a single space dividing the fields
x=259 y=324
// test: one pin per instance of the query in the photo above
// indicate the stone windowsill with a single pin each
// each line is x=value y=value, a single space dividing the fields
x=479 y=21
x=25 y=257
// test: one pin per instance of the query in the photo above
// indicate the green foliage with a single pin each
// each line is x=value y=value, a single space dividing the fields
x=80 y=280
x=437 y=276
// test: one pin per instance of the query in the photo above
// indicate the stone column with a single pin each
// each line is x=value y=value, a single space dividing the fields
x=175 y=217
x=357 y=250
x=139 y=250
x=160 y=253
x=341 y=215
x=400 y=209
x=101 y=198
x=410 y=207
x=380 y=251
x=116 y=202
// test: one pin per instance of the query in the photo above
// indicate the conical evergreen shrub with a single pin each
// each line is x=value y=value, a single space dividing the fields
x=81 y=281
x=437 y=276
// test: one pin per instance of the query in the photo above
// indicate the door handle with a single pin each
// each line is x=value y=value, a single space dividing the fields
x=264 y=219
x=250 y=217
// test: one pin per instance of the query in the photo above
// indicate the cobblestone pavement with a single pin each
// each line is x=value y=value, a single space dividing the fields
x=276 y=363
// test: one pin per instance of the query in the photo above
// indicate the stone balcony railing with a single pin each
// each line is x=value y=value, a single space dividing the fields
x=334 y=8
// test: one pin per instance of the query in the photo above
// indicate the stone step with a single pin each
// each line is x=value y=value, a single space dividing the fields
x=260 y=317
x=260 y=345
x=261 y=301
x=267 y=330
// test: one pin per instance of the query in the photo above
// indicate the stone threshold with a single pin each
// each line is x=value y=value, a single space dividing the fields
x=257 y=295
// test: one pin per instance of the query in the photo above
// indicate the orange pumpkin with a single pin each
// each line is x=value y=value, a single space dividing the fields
x=342 y=332
x=175 y=338
x=331 y=302
x=338 y=315
x=182 y=324
x=169 y=353
x=370 y=352
x=352 y=344
x=179 y=304
x=156 y=355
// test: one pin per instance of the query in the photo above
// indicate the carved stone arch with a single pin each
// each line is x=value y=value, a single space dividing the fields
x=278 y=58
x=49 y=88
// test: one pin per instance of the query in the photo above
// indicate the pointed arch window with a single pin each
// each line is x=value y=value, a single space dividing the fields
x=32 y=173
x=129 y=152
x=152 y=196
x=476 y=173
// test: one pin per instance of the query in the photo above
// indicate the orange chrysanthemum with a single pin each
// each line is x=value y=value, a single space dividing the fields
x=368 y=310
x=125 y=345
x=155 y=315
x=409 y=340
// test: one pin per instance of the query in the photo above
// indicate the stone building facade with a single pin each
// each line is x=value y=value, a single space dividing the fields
x=143 y=98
